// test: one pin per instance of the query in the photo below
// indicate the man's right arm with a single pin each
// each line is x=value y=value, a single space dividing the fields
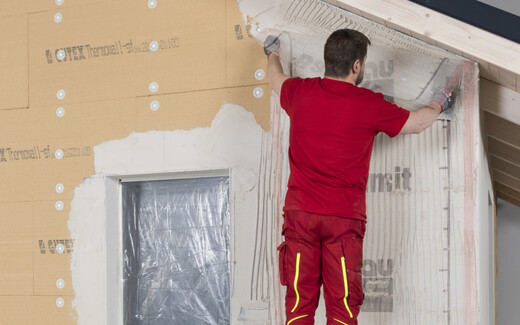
x=422 y=119
x=275 y=72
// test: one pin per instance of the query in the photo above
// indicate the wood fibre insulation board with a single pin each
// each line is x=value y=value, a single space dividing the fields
x=206 y=58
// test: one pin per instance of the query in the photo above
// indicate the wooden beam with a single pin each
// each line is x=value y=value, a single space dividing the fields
x=445 y=32
x=508 y=198
x=498 y=75
x=500 y=101
x=508 y=194
x=501 y=188
x=507 y=180
x=505 y=166
x=441 y=29
x=503 y=150
x=502 y=129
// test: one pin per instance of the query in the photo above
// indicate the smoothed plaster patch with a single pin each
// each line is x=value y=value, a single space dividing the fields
x=234 y=140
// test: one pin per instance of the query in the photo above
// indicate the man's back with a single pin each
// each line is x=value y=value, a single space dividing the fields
x=333 y=125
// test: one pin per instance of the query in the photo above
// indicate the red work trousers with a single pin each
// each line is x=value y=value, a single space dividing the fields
x=320 y=250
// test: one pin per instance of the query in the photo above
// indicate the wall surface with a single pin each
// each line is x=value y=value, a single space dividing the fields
x=98 y=52
x=101 y=88
x=508 y=241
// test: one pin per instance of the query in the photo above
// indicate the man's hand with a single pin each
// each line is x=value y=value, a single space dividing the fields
x=445 y=99
x=271 y=44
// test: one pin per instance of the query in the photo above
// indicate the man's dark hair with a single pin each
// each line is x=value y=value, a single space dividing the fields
x=342 y=49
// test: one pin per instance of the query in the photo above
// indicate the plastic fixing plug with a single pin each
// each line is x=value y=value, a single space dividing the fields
x=152 y=4
x=154 y=46
x=59 y=205
x=58 y=17
x=153 y=87
x=58 y=154
x=60 y=94
x=258 y=92
x=259 y=74
x=59 y=2
x=60 y=248
x=60 y=111
x=60 y=188
x=154 y=105
x=60 y=55
x=60 y=284
x=60 y=302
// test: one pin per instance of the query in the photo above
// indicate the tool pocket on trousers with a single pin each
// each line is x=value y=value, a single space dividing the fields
x=294 y=225
x=281 y=263
x=353 y=252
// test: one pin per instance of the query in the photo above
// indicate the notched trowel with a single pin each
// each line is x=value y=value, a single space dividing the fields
x=444 y=87
x=451 y=92
x=271 y=44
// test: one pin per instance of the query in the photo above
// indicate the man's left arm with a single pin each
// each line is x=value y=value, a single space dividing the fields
x=275 y=72
x=274 y=66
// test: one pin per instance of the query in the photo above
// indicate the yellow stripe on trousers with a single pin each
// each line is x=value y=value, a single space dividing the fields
x=337 y=320
x=295 y=318
x=345 y=283
x=296 y=282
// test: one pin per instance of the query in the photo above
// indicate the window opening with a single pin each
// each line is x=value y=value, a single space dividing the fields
x=175 y=251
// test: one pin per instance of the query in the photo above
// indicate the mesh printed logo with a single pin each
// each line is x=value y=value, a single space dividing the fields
x=379 y=77
x=378 y=286
x=388 y=182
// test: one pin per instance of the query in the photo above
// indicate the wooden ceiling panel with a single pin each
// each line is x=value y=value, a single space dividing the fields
x=507 y=193
x=502 y=129
x=503 y=150
x=500 y=101
x=505 y=166
x=507 y=180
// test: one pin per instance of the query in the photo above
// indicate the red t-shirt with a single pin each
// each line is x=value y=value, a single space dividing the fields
x=333 y=125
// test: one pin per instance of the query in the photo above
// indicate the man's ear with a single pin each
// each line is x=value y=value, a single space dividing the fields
x=356 y=67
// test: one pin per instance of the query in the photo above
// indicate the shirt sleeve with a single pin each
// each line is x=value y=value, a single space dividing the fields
x=287 y=94
x=390 y=118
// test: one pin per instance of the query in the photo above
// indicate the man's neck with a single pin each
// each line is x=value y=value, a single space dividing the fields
x=351 y=79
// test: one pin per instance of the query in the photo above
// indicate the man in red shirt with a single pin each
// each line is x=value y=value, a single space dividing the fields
x=332 y=131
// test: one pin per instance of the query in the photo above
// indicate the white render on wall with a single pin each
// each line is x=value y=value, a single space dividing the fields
x=234 y=142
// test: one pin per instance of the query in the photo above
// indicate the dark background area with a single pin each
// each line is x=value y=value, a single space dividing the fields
x=478 y=14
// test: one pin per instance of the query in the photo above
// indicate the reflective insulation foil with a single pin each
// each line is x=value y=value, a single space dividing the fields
x=176 y=252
